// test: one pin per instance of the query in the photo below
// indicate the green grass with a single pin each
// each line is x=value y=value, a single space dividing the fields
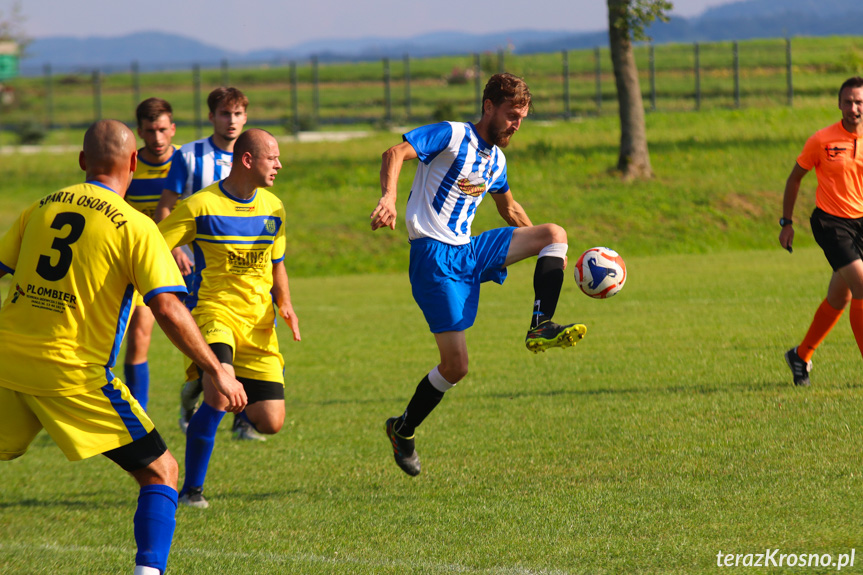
x=670 y=433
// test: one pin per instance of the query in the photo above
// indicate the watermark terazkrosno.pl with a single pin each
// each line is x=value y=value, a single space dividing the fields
x=775 y=558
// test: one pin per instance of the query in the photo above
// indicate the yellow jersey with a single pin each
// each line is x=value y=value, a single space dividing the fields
x=148 y=182
x=235 y=242
x=77 y=256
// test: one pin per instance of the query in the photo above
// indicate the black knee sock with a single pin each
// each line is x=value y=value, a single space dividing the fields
x=425 y=399
x=547 y=281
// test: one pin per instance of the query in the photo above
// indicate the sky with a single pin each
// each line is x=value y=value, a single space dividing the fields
x=258 y=24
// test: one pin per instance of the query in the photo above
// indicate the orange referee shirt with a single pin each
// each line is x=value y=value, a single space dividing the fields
x=837 y=156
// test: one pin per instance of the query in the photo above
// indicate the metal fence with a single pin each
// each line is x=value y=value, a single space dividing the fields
x=309 y=95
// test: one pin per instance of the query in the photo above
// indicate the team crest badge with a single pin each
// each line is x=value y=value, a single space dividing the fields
x=271 y=225
x=473 y=185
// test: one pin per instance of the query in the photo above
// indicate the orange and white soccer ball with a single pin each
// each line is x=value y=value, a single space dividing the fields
x=600 y=272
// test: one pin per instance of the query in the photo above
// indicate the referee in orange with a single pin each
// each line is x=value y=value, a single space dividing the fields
x=836 y=153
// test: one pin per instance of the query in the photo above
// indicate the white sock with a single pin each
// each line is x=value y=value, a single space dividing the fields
x=143 y=570
x=438 y=381
x=556 y=250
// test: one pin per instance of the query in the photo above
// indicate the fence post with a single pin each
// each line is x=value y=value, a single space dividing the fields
x=388 y=104
x=295 y=104
x=196 y=96
x=49 y=97
x=407 y=60
x=697 y=77
x=225 y=72
x=136 y=84
x=736 y=75
x=477 y=71
x=97 y=94
x=566 y=109
x=788 y=72
x=651 y=58
x=316 y=96
x=598 y=73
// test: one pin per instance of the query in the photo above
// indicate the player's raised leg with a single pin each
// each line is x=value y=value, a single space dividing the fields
x=549 y=242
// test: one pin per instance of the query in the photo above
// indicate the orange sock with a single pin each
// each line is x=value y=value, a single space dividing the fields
x=825 y=318
x=856 y=317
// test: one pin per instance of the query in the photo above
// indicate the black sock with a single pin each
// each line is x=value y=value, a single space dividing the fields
x=425 y=399
x=547 y=281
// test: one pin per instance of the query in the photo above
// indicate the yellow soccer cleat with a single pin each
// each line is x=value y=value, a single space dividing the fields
x=549 y=334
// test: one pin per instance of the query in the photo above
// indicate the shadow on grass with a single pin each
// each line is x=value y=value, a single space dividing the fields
x=739 y=387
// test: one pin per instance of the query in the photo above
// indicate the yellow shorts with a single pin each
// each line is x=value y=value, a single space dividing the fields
x=256 y=351
x=81 y=425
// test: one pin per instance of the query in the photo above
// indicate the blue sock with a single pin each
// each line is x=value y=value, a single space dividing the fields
x=154 y=525
x=138 y=382
x=200 y=439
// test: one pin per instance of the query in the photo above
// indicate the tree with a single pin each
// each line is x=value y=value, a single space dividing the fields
x=12 y=27
x=627 y=20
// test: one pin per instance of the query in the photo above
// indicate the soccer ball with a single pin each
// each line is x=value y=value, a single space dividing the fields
x=600 y=272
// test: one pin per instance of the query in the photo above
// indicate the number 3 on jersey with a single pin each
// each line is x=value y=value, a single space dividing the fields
x=76 y=223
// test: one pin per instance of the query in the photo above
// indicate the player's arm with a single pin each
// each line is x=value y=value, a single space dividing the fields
x=167 y=201
x=177 y=323
x=792 y=189
x=178 y=229
x=282 y=297
x=392 y=160
x=510 y=210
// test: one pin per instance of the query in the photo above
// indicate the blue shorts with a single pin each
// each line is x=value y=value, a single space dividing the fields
x=445 y=279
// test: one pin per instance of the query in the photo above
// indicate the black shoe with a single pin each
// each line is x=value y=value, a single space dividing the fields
x=403 y=450
x=799 y=369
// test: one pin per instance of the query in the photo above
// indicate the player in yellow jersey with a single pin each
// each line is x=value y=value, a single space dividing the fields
x=237 y=231
x=156 y=127
x=78 y=256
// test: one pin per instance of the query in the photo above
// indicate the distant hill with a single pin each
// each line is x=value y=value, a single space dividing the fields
x=736 y=21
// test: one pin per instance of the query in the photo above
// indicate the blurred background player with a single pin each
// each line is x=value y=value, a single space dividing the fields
x=82 y=252
x=244 y=275
x=195 y=166
x=836 y=153
x=459 y=164
x=156 y=128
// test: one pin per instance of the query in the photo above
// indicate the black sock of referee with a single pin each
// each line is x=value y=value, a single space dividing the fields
x=547 y=281
x=425 y=399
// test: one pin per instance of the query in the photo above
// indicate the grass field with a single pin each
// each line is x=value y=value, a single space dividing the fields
x=671 y=433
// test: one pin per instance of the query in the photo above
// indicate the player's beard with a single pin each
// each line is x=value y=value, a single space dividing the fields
x=498 y=137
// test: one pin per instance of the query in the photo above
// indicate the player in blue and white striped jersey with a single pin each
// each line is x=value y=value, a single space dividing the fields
x=459 y=163
x=195 y=166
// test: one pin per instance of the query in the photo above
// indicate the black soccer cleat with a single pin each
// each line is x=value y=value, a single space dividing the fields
x=549 y=334
x=799 y=369
x=403 y=450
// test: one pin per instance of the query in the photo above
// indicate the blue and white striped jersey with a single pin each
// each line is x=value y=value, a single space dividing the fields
x=456 y=169
x=196 y=165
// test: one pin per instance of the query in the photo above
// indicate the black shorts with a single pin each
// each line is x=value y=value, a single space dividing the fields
x=841 y=239
x=140 y=453
x=256 y=389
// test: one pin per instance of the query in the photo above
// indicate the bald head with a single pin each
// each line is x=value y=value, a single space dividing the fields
x=256 y=162
x=253 y=141
x=109 y=146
